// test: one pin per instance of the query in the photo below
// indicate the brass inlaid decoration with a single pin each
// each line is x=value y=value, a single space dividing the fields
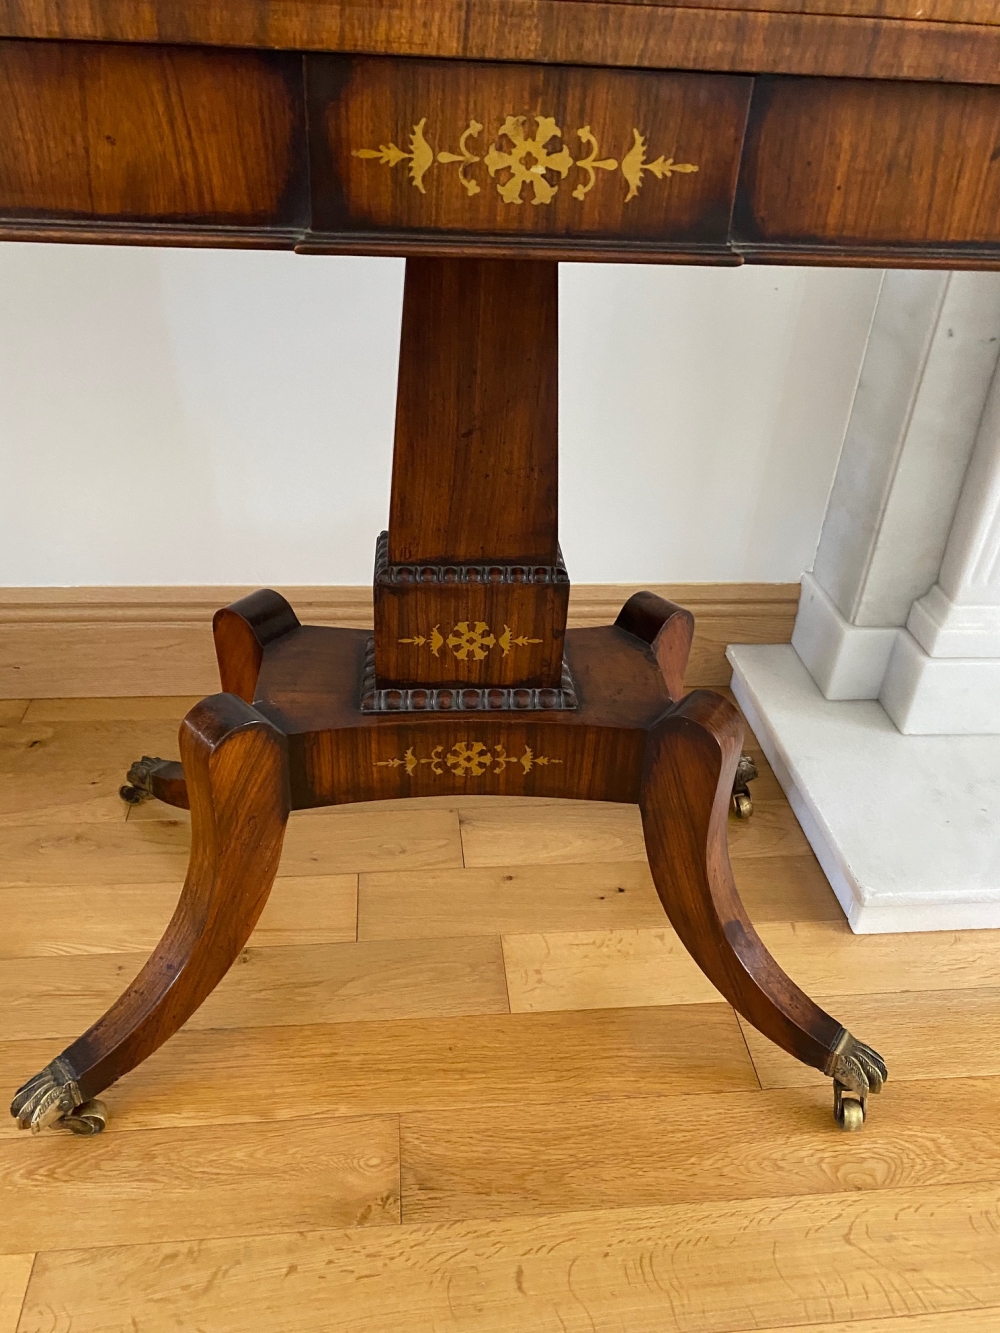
x=528 y=160
x=463 y=155
x=467 y=759
x=420 y=156
x=591 y=164
x=476 y=639
x=634 y=164
x=524 y=165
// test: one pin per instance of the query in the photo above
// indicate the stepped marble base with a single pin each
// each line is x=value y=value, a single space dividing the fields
x=906 y=828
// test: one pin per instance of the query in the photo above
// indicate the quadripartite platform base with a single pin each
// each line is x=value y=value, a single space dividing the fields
x=290 y=735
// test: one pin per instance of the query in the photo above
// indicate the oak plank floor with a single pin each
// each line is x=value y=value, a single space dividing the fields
x=285 y=986
x=228 y=1180
x=420 y=1064
x=464 y=1079
x=620 y=1153
x=130 y=918
x=15 y=1270
x=691 y=1268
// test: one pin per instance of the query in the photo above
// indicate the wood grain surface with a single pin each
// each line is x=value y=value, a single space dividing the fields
x=151 y=135
x=61 y=919
x=310 y=983
x=933 y=1035
x=15 y=1270
x=859 y=38
x=453 y=503
x=150 y=850
x=692 y=119
x=719 y=1267
x=610 y=832
x=616 y=1126
x=932 y=11
x=627 y=1152
x=539 y=898
x=165 y=1183
x=79 y=642
x=846 y=163
x=594 y=969
x=387 y=1066
x=554 y=129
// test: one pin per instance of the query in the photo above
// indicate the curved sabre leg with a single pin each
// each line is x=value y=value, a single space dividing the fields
x=691 y=756
x=236 y=769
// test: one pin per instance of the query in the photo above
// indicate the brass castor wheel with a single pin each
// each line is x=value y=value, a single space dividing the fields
x=90 y=1118
x=849 y=1110
x=132 y=795
x=742 y=805
x=746 y=771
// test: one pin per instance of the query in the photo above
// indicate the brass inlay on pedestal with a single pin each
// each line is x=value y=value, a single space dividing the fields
x=476 y=639
x=467 y=759
x=524 y=167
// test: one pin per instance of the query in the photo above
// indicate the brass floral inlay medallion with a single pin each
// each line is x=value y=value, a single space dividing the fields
x=467 y=759
x=526 y=166
x=528 y=160
x=476 y=640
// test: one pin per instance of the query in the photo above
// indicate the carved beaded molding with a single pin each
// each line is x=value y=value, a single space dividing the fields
x=396 y=576
x=462 y=698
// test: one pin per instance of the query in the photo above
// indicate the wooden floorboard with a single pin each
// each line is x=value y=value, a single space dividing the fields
x=621 y=1153
x=168 y=1184
x=168 y=708
x=690 y=1268
x=289 y=986
x=72 y=771
x=555 y=897
x=423 y=1064
x=932 y=1035
x=954 y=1321
x=590 y=833
x=15 y=1270
x=152 y=851
x=130 y=918
x=465 y=1079
x=598 y=969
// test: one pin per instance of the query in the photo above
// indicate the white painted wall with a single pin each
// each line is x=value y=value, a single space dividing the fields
x=185 y=416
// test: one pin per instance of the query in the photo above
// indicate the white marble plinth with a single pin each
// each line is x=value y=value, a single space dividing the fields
x=846 y=661
x=907 y=828
x=934 y=696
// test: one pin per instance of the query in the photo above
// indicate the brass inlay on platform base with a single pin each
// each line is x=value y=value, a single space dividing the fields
x=524 y=167
x=467 y=759
x=476 y=639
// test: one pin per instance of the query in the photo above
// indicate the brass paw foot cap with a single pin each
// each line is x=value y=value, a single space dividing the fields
x=857 y=1070
x=46 y=1098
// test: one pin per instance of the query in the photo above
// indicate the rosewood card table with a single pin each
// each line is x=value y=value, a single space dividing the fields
x=485 y=140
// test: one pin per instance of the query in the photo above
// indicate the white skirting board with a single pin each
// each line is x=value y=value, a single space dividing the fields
x=906 y=828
